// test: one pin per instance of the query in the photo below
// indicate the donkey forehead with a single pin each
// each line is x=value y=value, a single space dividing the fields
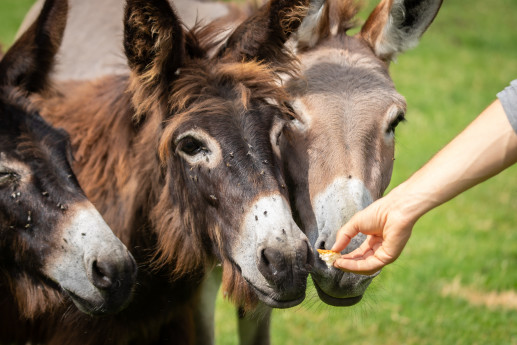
x=226 y=120
x=344 y=85
x=346 y=68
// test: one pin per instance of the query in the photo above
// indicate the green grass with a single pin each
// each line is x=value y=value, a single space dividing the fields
x=11 y=14
x=467 y=56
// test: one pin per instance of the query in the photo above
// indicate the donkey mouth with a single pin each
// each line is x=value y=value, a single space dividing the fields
x=82 y=304
x=336 y=301
x=86 y=306
x=274 y=302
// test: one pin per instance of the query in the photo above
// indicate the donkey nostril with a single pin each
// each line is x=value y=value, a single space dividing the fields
x=263 y=257
x=101 y=275
x=272 y=265
x=322 y=245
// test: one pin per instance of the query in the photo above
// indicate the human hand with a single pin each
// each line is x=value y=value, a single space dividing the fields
x=387 y=230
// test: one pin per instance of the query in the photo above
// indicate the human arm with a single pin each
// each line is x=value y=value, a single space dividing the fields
x=486 y=147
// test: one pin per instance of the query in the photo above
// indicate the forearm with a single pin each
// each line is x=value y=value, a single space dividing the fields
x=486 y=147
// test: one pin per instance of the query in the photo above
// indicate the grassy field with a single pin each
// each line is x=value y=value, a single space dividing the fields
x=456 y=282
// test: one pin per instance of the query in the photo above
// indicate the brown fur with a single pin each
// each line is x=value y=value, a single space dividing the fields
x=235 y=288
x=121 y=130
x=132 y=206
x=42 y=266
x=32 y=298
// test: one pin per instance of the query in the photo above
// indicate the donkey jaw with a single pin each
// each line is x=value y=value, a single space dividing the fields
x=341 y=289
x=336 y=301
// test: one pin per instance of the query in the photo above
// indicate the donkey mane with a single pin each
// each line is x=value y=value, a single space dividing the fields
x=257 y=78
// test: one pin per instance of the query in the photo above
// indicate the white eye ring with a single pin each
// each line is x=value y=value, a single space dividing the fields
x=209 y=153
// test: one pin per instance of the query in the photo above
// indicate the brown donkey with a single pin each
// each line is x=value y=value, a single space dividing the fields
x=339 y=150
x=181 y=159
x=54 y=245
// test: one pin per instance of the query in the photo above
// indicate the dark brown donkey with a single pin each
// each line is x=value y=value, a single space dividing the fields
x=181 y=159
x=54 y=245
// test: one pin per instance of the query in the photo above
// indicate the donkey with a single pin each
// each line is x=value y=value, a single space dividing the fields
x=345 y=118
x=339 y=150
x=181 y=158
x=54 y=245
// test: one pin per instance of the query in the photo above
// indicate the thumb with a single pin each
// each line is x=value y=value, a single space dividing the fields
x=365 y=221
x=345 y=235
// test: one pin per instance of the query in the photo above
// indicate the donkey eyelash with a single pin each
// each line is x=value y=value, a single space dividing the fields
x=401 y=117
x=6 y=176
x=191 y=146
x=290 y=114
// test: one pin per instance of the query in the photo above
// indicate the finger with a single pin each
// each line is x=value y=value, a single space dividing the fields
x=368 y=266
x=360 y=251
x=344 y=236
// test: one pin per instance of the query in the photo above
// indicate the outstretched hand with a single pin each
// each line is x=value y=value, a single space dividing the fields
x=485 y=148
x=387 y=234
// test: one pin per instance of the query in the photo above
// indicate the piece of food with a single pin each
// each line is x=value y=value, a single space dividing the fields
x=329 y=256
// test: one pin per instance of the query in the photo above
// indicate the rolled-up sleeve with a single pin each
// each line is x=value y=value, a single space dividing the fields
x=508 y=98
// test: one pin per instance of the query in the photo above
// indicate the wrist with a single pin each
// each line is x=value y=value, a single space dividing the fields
x=410 y=203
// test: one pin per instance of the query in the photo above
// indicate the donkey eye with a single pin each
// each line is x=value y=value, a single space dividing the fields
x=290 y=112
x=398 y=119
x=6 y=177
x=191 y=146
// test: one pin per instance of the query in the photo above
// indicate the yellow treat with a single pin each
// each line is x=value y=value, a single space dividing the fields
x=328 y=256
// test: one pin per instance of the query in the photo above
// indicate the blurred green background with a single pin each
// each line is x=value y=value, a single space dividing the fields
x=456 y=282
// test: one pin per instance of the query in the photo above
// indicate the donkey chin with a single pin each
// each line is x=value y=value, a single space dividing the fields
x=92 y=266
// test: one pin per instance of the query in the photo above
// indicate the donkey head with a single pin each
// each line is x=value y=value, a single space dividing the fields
x=220 y=117
x=51 y=237
x=339 y=149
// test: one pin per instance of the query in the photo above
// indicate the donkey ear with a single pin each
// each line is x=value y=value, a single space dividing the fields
x=153 y=42
x=395 y=26
x=263 y=35
x=28 y=62
x=312 y=28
